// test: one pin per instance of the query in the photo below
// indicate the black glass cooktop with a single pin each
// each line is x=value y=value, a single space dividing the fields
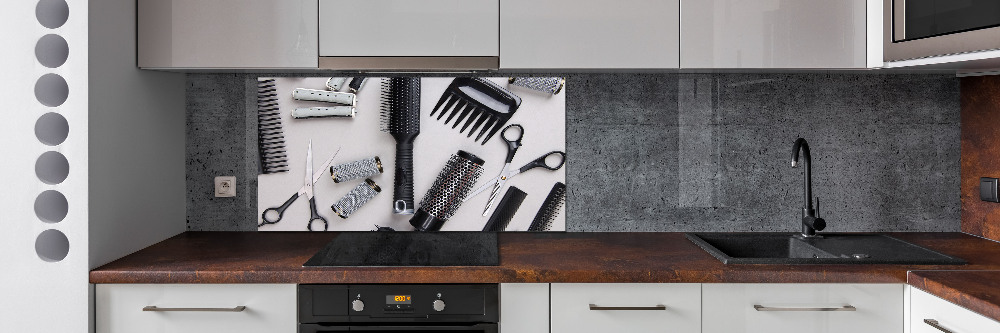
x=379 y=248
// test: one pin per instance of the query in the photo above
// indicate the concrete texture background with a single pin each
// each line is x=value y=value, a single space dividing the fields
x=683 y=152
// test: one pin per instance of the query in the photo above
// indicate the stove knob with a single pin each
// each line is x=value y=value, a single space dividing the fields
x=438 y=305
x=358 y=305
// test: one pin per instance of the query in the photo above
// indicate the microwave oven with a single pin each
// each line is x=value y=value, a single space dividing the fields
x=915 y=29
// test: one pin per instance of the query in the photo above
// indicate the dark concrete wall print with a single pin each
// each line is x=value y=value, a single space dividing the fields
x=694 y=152
x=685 y=152
x=221 y=141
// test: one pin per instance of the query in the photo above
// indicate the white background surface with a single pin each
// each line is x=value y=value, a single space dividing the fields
x=543 y=117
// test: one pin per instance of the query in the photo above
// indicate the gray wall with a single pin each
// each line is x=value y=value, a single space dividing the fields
x=135 y=131
x=684 y=152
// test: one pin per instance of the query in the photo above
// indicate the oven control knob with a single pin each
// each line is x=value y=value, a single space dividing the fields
x=358 y=305
x=438 y=305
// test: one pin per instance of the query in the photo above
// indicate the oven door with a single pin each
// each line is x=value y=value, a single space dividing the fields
x=472 y=328
x=927 y=28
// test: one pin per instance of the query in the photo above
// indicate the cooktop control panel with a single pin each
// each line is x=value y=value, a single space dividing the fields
x=398 y=303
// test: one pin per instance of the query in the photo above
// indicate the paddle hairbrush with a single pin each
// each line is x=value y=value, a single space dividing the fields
x=401 y=118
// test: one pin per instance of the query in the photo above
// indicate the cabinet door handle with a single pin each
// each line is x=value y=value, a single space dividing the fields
x=935 y=324
x=759 y=307
x=233 y=309
x=630 y=308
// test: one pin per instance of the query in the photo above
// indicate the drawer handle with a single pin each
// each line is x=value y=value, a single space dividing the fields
x=935 y=324
x=759 y=307
x=629 y=308
x=233 y=309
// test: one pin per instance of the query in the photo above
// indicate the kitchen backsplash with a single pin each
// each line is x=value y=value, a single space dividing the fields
x=980 y=112
x=683 y=152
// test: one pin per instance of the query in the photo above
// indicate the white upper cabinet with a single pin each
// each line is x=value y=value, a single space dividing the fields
x=777 y=33
x=227 y=34
x=407 y=28
x=579 y=34
x=510 y=34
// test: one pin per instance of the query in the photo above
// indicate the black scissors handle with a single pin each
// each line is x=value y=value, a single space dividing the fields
x=541 y=162
x=280 y=211
x=315 y=216
x=512 y=143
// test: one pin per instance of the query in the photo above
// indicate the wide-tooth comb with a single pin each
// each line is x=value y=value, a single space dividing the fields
x=550 y=207
x=270 y=137
x=480 y=103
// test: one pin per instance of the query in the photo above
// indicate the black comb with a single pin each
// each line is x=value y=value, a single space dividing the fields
x=270 y=137
x=480 y=103
x=401 y=118
x=505 y=210
x=547 y=214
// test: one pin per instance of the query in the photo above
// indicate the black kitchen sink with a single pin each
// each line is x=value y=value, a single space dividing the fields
x=792 y=249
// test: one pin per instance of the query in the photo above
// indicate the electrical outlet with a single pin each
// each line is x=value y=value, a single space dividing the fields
x=225 y=186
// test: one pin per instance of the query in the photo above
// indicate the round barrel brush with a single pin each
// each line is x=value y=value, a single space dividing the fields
x=401 y=119
x=449 y=190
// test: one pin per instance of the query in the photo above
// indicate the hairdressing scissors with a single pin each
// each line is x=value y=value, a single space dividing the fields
x=512 y=135
x=306 y=190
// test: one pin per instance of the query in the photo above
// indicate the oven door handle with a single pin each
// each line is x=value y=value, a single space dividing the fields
x=428 y=327
x=412 y=327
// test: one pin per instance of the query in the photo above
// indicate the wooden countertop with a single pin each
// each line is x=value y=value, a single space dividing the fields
x=277 y=257
x=978 y=291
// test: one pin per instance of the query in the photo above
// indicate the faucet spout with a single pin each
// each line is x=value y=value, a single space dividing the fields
x=810 y=222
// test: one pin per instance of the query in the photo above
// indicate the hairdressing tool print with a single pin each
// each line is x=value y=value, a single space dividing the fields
x=550 y=207
x=548 y=85
x=356 y=84
x=314 y=95
x=334 y=83
x=341 y=111
x=512 y=135
x=355 y=170
x=480 y=103
x=401 y=118
x=505 y=210
x=448 y=191
x=270 y=136
x=358 y=197
x=274 y=214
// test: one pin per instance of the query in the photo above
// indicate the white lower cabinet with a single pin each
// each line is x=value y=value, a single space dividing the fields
x=930 y=314
x=196 y=308
x=524 y=308
x=802 y=308
x=570 y=307
x=626 y=307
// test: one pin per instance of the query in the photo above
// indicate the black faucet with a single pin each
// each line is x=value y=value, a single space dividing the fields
x=810 y=222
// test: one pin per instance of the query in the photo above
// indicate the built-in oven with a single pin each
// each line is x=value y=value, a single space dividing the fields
x=927 y=28
x=390 y=308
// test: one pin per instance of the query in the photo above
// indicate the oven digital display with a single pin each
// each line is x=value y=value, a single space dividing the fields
x=397 y=299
